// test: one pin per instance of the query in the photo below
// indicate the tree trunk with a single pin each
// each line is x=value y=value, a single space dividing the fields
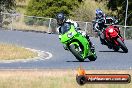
x=1 y=20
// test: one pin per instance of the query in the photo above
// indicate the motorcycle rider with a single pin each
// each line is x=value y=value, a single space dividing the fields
x=100 y=24
x=61 y=19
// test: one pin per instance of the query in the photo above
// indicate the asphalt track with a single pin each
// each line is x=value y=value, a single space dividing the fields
x=107 y=59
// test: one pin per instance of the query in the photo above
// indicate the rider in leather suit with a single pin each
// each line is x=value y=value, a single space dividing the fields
x=100 y=24
x=61 y=19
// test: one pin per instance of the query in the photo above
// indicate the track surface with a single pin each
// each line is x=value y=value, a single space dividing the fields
x=107 y=59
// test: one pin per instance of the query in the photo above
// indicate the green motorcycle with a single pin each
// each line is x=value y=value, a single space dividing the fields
x=76 y=43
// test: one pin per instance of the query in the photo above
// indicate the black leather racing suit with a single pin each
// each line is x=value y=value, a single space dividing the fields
x=99 y=26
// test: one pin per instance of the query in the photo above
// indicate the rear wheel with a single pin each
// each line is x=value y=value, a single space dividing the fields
x=123 y=46
x=76 y=53
x=92 y=57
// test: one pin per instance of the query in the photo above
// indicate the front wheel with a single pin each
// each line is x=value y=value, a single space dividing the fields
x=116 y=48
x=76 y=53
x=123 y=46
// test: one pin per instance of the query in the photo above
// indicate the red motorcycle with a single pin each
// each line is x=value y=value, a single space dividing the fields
x=114 y=39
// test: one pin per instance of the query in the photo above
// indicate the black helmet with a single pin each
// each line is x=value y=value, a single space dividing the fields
x=61 y=18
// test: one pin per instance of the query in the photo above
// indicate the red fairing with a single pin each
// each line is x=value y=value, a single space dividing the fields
x=117 y=30
x=111 y=32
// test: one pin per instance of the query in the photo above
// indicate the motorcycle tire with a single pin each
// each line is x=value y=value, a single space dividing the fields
x=92 y=58
x=123 y=46
x=116 y=49
x=76 y=53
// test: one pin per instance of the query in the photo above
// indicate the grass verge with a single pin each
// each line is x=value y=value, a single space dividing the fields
x=13 y=52
x=22 y=26
x=53 y=79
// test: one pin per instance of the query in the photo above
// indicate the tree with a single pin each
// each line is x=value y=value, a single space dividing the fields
x=86 y=10
x=6 y=6
x=49 y=8
x=120 y=7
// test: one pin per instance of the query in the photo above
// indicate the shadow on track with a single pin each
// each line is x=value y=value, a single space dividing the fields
x=78 y=61
x=113 y=51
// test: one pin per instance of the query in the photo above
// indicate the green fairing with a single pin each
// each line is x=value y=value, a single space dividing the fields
x=76 y=38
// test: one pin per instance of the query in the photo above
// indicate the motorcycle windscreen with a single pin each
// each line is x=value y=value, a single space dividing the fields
x=67 y=33
x=65 y=28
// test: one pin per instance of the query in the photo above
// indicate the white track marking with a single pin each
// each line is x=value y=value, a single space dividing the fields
x=41 y=56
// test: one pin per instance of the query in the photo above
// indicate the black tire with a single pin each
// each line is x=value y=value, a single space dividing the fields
x=81 y=80
x=116 y=49
x=75 y=53
x=123 y=46
x=92 y=58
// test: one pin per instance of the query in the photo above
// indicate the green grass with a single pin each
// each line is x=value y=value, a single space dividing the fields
x=13 y=52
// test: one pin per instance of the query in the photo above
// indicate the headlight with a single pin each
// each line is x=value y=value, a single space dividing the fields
x=69 y=35
x=111 y=30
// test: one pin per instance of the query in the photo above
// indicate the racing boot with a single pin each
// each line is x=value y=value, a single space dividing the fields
x=90 y=43
x=109 y=46
x=103 y=42
x=102 y=39
x=65 y=47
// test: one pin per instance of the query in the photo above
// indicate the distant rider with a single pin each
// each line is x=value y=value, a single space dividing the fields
x=100 y=24
x=61 y=19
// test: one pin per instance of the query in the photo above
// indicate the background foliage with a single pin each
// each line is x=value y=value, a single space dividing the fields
x=119 y=6
x=86 y=10
x=82 y=10
x=49 y=8
x=6 y=6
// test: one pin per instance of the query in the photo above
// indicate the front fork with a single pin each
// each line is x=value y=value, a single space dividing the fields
x=120 y=38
